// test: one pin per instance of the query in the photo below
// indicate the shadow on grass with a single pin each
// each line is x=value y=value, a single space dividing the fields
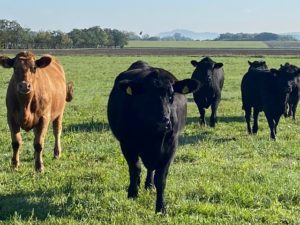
x=191 y=99
x=221 y=119
x=87 y=127
x=26 y=206
x=192 y=139
x=231 y=119
x=204 y=136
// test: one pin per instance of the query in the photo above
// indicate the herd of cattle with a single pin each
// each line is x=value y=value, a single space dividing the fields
x=146 y=108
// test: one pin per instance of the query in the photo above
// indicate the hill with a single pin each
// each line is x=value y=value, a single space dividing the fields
x=190 y=34
x=296 y=35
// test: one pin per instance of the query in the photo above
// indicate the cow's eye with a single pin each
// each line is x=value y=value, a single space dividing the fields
x=171 y=98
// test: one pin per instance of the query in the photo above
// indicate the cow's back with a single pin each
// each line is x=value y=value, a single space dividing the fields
x=52 y=85
x=251 y=89
x=119 y=110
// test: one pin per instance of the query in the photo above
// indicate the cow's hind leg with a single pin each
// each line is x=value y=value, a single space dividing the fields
x=57 y=128
x=149 y=183
x=294 y=109
x=39 y=139
x=134 y=166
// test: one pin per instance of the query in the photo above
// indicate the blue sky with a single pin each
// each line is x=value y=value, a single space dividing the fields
x=154 y=16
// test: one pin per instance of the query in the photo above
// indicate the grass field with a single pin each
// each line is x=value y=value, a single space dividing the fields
x=219 y=176
x=196 y=44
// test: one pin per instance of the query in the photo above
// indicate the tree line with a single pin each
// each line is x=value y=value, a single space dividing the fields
x=265 y=36
x=13 y=35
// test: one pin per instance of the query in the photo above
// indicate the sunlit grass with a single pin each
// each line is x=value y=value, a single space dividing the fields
x=219 y=176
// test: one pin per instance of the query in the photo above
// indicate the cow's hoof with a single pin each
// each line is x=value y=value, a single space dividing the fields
x=39 y=168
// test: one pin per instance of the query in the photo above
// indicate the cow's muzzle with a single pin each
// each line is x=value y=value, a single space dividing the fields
x=165 y=125
x=24 y=87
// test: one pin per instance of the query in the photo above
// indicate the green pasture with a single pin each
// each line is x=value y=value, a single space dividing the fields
x=219 y=176
x=196 y=44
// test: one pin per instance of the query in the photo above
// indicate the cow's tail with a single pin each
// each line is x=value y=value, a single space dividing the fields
x=70 y=90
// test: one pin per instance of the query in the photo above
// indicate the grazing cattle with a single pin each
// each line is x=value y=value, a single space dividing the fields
x=268 y=91
x=146 y=112
x=251 y=97
x=294 y=96
x=36 y=95
x=211 y=77
x=275 y=88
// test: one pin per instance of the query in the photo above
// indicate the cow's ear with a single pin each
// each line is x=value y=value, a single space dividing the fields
x=194 y=63
x=186 y=86
x=130 y=87
x=274 y=71
x=6 y=62
x=218 y=65
x=250 y=63
x=43 y=61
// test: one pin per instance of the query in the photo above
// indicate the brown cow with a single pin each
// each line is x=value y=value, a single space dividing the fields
x=36 y=96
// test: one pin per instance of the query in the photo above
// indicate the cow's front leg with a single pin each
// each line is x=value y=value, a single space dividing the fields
x=39 y=139
x=255 y=121
x=134 y=167
x=271 y=123
x=16 y=142
x=213 y=117
x=248 y=119
x=160 y=184
x=202 y=116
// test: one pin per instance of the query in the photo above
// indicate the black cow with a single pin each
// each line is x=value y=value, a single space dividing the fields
x=251 y=97
x=146 y=112
x=268 y=91
x=294 y=96
x=139 y=65
x=275 y=88
x=211 y=77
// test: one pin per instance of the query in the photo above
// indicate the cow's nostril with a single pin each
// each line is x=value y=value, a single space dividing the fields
x=24 y=87
x=165 y=120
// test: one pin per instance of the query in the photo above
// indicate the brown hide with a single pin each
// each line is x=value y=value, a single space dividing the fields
x=36 y=96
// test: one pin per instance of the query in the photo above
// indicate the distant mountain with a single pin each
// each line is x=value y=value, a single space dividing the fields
x=190 y=34
x=294 y=34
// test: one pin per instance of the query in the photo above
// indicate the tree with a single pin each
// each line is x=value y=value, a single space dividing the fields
x=11 y=34
x=60 y=40
x=76 y=35
x=42 y=39
x=266 y=37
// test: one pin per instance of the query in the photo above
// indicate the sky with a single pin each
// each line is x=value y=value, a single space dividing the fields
x=155 y=16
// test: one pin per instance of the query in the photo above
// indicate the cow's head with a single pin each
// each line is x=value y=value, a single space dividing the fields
x=204 y=70
x=286 y=78
x=25 y=66
x=156 y=98
x=259 y=65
